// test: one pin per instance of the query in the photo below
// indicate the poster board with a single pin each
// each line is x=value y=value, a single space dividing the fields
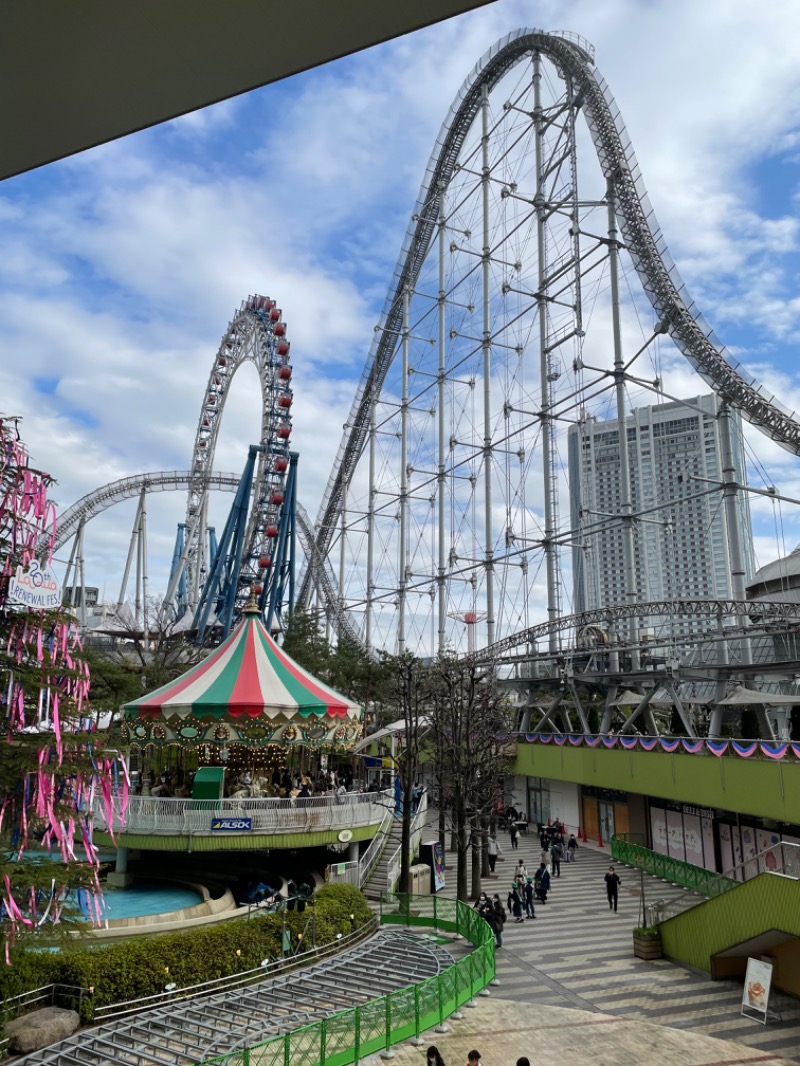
x=755 y=994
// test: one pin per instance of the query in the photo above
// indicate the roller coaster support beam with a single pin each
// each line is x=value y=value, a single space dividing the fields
x=277 y=596
x=626 y=504
x=540 y=205
x=373 y=431
x=177 y=575
x=219 y=590
x=132 y=550
x=486 y=345
x=441 y=473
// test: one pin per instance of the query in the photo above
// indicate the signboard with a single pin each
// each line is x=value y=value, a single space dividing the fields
x=438 y=866
x=231 y=825
x=345 y=836
x=35 y=586
x=755 y=995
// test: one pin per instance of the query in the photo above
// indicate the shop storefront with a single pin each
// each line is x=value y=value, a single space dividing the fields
x=683 y=832
x=717 y=840
x=605 y=813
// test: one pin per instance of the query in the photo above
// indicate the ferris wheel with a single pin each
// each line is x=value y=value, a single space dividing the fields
x=256 y=334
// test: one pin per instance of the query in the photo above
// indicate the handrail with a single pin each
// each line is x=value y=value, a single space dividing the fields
x=417 y=825
x=782 y=858
x=696 y=878
x=376 y=1025
x=152 y=814
x=124 y=1008
x=358 y=872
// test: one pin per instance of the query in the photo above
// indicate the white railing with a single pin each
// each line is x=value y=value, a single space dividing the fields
x=417 y=825
x=357 y=873
x=146 y=814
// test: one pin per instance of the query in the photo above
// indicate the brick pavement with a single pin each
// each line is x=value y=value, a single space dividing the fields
x=555 y=1036
x=578 y=954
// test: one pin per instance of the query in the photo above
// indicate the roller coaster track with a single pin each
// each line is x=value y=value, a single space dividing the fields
x=324 y=578
x=94 y=503
x=640 y=231
x=760 y=611
x=99 y=500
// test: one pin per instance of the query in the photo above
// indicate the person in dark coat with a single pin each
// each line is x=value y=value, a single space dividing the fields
x=514 y=834
x=541 y=883
x=499 y=919
x=572 y=846
x=527 y=896
x=556 y=855
x=613 y=882
x=515 y=903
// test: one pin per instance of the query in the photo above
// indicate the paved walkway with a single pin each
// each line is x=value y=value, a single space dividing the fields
x=578 y=954
x=557 y=1036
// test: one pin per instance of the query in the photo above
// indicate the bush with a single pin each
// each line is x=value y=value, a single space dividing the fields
x=143 y=966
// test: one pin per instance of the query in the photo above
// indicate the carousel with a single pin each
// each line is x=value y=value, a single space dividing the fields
x=247 y=707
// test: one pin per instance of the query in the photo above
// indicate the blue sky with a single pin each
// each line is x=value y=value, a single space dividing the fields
x=122 y=266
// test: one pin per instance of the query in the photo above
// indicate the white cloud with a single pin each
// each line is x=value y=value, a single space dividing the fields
x=122 y=266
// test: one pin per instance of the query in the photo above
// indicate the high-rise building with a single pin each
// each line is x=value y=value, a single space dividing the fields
x=681 y=546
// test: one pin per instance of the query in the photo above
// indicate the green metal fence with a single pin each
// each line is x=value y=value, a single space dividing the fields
x=376 y=1025
x=681 y=873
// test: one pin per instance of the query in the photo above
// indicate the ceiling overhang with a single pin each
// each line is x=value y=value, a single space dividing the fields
x=75 y=75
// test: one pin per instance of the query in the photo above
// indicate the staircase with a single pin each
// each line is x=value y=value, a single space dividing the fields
x=378 y=882
x=193 y=1031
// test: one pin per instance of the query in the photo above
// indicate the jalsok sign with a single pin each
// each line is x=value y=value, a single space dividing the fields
x=35 y=586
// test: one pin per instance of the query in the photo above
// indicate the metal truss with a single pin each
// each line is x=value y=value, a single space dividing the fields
x=99 y=500
x=584 y=92
x=608 y=619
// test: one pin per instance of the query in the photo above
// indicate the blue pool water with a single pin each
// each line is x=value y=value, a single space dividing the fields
x=146 y=897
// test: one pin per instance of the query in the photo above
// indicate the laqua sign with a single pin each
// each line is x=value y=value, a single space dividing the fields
x=34 y=586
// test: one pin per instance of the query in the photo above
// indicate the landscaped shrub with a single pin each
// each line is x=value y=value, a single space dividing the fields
x=143 y=966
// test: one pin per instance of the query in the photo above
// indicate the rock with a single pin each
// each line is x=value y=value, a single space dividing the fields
x=40 y=1028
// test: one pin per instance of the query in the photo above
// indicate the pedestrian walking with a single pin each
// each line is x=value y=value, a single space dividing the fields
x=515 y=903
x=474 y=1058
x=433 y=1057
x=541 y=882
x=514 y=834
x=500 y=917
x=545 y=857
x=572 y=847
x=493 y=850
x=527 y=898
x=613 y=882
x=556 y=855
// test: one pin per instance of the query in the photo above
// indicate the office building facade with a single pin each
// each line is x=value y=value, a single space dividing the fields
x=681 y=545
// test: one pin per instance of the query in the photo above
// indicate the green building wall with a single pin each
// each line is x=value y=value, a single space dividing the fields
x=762 y=787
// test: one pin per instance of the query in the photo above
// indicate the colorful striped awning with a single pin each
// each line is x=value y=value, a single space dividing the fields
x=247 y=675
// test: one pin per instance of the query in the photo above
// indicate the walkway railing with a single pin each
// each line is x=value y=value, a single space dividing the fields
x=357 y=873
x=149 y=814
x=417 y=825
x=783 y=859
x=376 y=1025
x=697 y=878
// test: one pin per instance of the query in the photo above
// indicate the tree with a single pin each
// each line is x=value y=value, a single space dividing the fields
x=471 y=726
x=410 y=693
x=50 y=765
x=135 y=662
x=306 y=644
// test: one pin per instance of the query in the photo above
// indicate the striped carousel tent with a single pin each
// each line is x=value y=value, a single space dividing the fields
x=247 y=690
